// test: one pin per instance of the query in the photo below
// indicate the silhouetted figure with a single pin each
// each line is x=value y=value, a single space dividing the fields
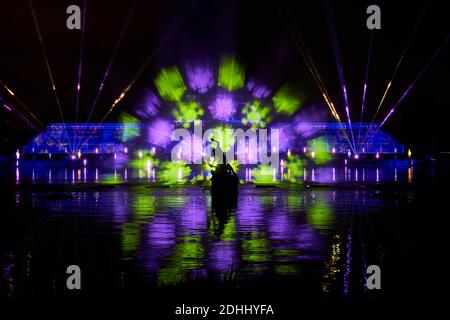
x=224 y=180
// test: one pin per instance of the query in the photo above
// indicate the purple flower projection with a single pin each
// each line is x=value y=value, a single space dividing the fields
x=200 y=79
x=223 y=108
x=257 y=90
x=160 y=132
x=148 y=106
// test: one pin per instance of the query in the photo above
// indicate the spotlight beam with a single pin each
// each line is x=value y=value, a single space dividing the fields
x=337 y=56
x=80 y=64
x=402 y=56
x=110 y=62
x=148 y=61
x=10 y=108
x=47 y=64
x=408 y=89
x=304 y=52
x=366 y=76
x=21 y=103
x=145 y=65
x=300 y=44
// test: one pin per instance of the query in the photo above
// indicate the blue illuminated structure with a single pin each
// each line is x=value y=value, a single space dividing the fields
x=108 y=138
x=88 y=138
x=370 y=139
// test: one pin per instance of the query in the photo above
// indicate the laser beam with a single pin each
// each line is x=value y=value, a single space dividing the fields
x=366 y=76
x=22 y=104
x=80 y=65
x=47 y=64
x=145 y=65
x=335 y=44
x=408 y=89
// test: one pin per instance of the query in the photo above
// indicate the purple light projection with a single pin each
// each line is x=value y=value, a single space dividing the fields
x=222 y=108
x=148 y=107
x=259 y=91
x=307 y=117
x=160 y=132
x=286 y=137
x=199 y=78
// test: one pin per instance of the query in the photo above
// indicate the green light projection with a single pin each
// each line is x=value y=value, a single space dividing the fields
x=225 y=136
x=188 y=111
x=174 y=172
x=129 y=132
x=170 y=84
x=111 y=179
x=255 y=114
x=293 y=168
x=143 y=160
x=288 y=100
x=319 y=148
x=231 y=74
x=263 y=175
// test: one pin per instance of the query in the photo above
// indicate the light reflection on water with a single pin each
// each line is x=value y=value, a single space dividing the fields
x=45 y=174
x=139 y=233
x=170 y=235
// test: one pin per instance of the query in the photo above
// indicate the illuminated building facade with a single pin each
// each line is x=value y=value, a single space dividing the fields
x=109 y=138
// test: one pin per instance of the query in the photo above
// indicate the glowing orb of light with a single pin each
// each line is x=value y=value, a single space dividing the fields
x=222 y=108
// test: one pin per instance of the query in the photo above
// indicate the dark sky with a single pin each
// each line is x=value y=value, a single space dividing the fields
x=177 y=32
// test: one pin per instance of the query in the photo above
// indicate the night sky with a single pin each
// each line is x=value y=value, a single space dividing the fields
x=178 y=32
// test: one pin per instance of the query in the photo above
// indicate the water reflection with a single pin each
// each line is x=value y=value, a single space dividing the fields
x=170 y=235
x=44 y=174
